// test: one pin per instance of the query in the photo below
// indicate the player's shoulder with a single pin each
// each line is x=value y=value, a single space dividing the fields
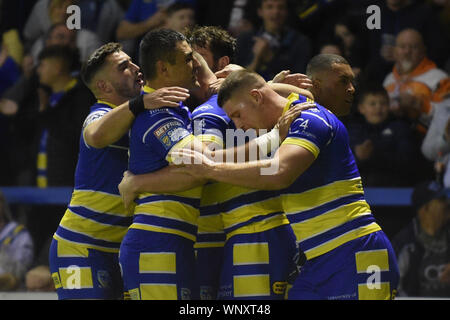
x=208 y=107
x=318 y=115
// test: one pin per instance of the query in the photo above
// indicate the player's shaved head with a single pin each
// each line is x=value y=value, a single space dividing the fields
x=238 y=81
x=323 y=63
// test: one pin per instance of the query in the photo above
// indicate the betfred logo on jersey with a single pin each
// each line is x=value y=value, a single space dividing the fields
x=170 y=133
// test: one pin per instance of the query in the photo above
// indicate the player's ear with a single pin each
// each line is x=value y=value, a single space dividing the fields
x=257 y=96
x=102 y=86
x=223 y=62
x=161 y=67
x=316 y=86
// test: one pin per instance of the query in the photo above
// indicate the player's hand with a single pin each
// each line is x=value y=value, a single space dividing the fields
x=165 y=97
x=192 y=162
x=299 y=80
x=227 y=70
x=127 y=192
x=214 y=86
x=289 y=116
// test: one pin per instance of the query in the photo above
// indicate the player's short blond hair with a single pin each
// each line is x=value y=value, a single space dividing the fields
x=237 y=81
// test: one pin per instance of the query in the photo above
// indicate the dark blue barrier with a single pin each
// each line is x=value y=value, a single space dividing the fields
x=61 y=196
x=37 y=196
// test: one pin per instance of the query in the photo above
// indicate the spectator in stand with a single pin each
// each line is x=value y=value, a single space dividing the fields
x=423 y=247
x=143 y=16
x=415 y=82
x=86 y=41
x=64 y=103
x=384 y=148
x=180 y=16
x=235 y=16
x=16 y=250
x=436 y=144
x=20 y=105
x=397 y=15
x=275 y=46
x=101 y=17
x=45 y=13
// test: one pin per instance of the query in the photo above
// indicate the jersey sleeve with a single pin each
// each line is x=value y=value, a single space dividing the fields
x=311 y=130
x=167 y=133
x=210 y=128
x=94 y=116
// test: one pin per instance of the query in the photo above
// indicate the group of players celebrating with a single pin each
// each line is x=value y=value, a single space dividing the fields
x=143 y=225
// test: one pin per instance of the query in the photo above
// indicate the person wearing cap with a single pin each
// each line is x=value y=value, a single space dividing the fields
x=423 y=246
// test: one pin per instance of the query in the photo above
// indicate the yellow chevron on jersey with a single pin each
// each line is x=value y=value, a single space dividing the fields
x=99 y=202
x=336 y=242
x=168 y=208
x=247 y=210
x=260 y=226
x=93 y=229
x=297 y=202
x=327 y=220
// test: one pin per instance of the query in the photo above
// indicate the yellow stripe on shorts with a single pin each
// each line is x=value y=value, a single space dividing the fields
x=158 y=291
x=250 y=253
x=157 y=262
x=251 y=285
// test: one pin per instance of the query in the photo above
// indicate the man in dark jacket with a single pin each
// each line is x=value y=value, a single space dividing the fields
x=275 y=46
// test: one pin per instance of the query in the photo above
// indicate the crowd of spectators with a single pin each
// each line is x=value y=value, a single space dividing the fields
x=399 y=127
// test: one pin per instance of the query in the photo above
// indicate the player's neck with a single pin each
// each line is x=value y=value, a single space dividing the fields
x=278 y=108
x=156 y=84
x=113 y=99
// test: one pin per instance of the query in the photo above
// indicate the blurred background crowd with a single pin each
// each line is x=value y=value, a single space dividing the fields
x=399 y=126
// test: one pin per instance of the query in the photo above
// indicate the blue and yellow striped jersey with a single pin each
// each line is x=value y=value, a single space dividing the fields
x=325 y=205
x=153 y=134
x=242 y=210
x=96 y=217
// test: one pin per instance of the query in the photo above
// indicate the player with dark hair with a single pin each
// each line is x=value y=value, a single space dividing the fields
x=215 y=44
x=90 y=233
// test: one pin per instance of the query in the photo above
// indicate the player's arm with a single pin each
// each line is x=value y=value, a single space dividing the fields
x=289 y=162
x=284 y=89
x=114 y=124
x=266 y=143
x=164 y=180
x=295 y=82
